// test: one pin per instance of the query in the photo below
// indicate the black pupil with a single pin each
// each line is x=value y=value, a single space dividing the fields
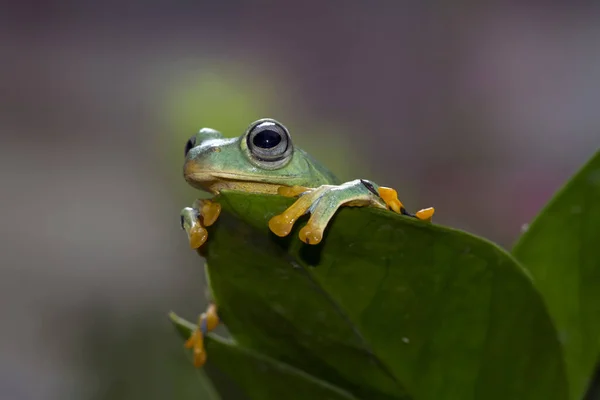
x=266 y=139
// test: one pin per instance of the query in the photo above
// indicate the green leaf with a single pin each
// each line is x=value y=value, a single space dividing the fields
x=386 y=307
x=561 y=249
x=261 y=377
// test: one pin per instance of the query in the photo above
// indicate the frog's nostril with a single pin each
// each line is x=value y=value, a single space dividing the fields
x=191 y=143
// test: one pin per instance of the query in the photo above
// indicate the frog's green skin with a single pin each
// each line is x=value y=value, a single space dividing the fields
x=264 y=160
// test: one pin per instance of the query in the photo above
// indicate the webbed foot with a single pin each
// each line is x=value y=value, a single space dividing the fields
x=206 y=323
x=323 y=202
x=195 y=219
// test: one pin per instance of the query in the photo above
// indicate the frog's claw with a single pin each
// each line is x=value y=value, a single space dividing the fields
x=206 y=323
x=323 y=202
x=195 y=219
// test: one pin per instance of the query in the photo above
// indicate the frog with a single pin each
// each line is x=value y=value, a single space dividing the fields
x=264 y=160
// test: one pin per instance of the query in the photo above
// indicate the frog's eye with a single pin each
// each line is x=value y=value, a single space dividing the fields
x=269 y=142
x=191 y=143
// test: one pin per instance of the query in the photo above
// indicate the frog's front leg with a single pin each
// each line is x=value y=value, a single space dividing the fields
x=206 y=323
x=195 y=219
x=323 y=202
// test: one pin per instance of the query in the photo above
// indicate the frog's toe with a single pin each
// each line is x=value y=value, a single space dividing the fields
x=281 y=224
x=197 y=236
x=209 y=210
x=321 y=214
x=390 y=197
x=209 y=319
x=425 y=214
x=196 y=343
x=207 y=322
x=311 y=233
x=190 y=222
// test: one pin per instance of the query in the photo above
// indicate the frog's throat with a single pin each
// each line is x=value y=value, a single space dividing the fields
x=214 y=182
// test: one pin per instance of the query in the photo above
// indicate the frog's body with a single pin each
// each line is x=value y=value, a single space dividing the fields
x=264 y=160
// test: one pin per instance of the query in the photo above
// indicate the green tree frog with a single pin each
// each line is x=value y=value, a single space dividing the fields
x=264 y=160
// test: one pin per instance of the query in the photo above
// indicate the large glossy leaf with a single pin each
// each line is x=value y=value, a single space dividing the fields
x=261 y=377
x=561 y=249
x=386 y=307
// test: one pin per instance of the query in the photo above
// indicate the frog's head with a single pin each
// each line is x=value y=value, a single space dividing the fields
x=260 y=161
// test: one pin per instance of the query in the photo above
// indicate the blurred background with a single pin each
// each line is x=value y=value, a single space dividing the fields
x=480 y=110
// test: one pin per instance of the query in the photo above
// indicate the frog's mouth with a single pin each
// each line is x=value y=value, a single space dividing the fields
x=214 y=182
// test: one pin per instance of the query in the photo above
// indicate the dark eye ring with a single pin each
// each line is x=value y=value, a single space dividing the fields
x=191 y=143
x=269 y=143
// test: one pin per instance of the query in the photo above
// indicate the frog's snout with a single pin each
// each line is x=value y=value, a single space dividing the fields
x=202 y=136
